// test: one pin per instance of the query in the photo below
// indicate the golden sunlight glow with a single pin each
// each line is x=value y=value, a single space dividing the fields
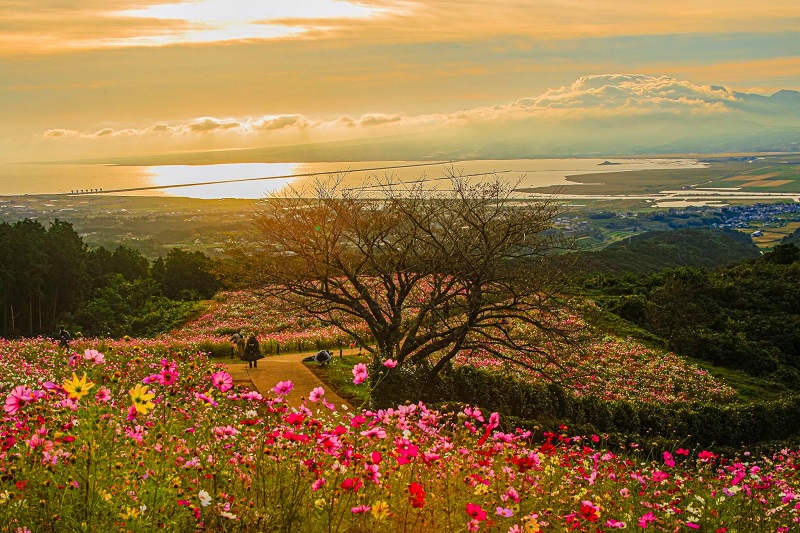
x=224 y=20
x=255 y=179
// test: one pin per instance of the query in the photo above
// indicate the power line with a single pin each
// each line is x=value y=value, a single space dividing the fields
x=239 y=180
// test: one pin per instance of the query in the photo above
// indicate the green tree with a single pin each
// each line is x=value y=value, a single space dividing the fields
x=187 y=275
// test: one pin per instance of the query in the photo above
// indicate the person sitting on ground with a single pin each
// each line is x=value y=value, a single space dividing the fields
x=322 y=357
x=252 y=352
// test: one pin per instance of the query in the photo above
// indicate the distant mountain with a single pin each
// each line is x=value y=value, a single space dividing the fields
x=600 y=115
x=659 y=250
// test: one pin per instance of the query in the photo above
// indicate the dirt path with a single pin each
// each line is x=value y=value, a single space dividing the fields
x=284 y=367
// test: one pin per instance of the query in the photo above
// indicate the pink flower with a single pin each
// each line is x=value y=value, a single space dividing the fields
x=692 y=525
x=283 y=388
x=316 y=394
x=360 y=509
x=390 y=363
x=614 y=524
x=203 y=397
x=222 y=380
x=93 y=355
x=318 y=484
x=360 y=373
x=18 y=398
x=504 y=511
x=103 y=395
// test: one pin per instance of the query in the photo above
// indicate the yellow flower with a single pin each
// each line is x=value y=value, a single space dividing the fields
x=141 y=399
x=129 y=513
x=77 y=388
x=380 y=510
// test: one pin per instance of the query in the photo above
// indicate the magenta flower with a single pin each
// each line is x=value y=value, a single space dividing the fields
x=19 y=397
x=476 y=512
x=169 y=376
x=360 y=373
x=360 y=509
x=645 y=519
x=390 y=363
x=222 y=380
x=669 y=460
x=614 y=524
x=283 y=388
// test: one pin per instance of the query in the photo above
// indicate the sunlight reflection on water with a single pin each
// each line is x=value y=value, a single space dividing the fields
x=256 y=185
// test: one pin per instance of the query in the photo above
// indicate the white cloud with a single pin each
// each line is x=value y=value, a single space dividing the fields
x=597 y=106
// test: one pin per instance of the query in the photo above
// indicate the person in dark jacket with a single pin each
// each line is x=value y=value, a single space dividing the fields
x=64 y=338
x=252 y=352
x=322 y=357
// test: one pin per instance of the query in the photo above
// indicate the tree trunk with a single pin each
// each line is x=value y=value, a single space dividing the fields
x=55 y=306
x=30 y=315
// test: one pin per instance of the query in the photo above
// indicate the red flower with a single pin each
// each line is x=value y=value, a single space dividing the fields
x=476 y=512
x=416 y=495
x=352 y=484
x=589 y=511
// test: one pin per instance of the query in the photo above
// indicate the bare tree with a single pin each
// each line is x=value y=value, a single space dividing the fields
x=431 y=273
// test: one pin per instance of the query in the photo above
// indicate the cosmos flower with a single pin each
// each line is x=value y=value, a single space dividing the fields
x=476 y=512
x=77 y=388
x=360 y=373
x=141 y=399
x=283 y=388
x=222 y=380
x=18 y=398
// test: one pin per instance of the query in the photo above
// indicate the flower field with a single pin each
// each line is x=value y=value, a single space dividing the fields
x=618 y=369
x=153 y=436
x=277 y=328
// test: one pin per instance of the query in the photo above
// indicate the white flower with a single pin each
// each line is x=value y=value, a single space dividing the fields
x=205 y=498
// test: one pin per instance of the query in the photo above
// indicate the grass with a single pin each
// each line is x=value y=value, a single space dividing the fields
x=338 y=376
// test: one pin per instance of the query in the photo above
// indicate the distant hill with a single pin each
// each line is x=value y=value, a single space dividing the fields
x=793 y=237
x=659 y=250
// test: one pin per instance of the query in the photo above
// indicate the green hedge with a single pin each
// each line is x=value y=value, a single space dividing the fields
x=549 y=406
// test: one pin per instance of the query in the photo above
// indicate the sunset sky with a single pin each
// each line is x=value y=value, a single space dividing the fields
x=107 y=78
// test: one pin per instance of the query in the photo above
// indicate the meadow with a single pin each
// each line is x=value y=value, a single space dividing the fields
x=141 y=439
x=145 y=435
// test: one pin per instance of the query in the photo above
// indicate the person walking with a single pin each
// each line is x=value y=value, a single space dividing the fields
x=252 y=352
x=64 y=338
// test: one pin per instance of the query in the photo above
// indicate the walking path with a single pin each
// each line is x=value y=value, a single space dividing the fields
x=284 y=367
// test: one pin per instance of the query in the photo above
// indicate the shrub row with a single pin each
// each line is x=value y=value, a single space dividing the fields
x=549 y=406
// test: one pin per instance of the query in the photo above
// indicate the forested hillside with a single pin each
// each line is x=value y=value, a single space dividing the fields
x=745 y=316
x=49 y=277
x=659 y=250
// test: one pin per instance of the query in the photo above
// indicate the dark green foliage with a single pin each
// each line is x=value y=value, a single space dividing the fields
x=744 y=317
x=48 y=277
x=186 y=275
x=659 y=250
x=548 y=406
